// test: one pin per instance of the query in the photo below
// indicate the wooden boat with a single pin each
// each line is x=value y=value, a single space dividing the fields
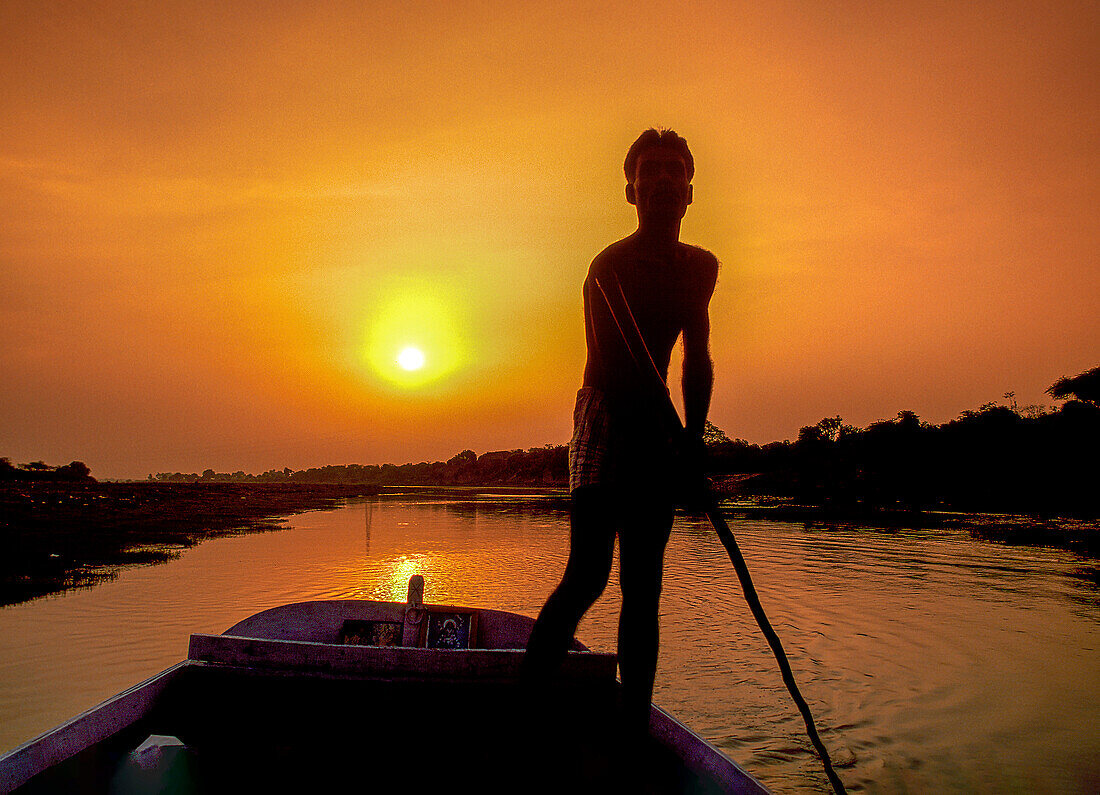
x=322 y=696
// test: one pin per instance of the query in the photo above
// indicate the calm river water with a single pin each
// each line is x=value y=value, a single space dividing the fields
x=932 y=662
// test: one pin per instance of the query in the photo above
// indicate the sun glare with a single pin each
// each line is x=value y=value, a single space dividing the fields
x=411 y=358
x=411 y=339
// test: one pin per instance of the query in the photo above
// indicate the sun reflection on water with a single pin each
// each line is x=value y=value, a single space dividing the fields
x=395 y=576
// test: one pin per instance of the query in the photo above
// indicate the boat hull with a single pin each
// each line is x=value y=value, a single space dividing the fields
x=300 y=712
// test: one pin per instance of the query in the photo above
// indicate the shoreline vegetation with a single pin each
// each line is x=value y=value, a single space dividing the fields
x=56 y=535
x=1017 y=476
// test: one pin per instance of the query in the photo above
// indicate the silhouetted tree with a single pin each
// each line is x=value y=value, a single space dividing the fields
x=1083 y=386
x=809 y=435
x=909 y=421
x=76 y=470
x=830 y=429
x=465 y=457
x=713 y=435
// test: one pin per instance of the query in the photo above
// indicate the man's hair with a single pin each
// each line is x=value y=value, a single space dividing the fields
x=658 y=139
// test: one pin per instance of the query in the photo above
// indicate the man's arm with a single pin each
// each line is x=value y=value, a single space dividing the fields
x=698 y=375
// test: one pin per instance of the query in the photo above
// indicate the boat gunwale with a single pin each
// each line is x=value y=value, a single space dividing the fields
x=94 y=725
x=386 y=661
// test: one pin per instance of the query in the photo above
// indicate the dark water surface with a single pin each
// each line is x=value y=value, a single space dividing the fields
x=933 y=662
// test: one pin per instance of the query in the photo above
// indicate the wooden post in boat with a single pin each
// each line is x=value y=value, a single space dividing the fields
x=416 y=590
x=414 y=612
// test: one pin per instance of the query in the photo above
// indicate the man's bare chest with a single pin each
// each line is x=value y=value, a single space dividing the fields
x=657 y=289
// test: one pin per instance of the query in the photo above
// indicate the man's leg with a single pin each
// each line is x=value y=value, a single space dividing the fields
x=642 y=541
x=591 y=547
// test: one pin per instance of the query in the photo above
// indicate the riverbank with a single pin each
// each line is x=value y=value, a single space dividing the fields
x=1081 y=536
x=56 y=536
x=743 y=498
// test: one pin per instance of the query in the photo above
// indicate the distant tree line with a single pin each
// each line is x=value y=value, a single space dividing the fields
x=39 y=470
x=537 y=466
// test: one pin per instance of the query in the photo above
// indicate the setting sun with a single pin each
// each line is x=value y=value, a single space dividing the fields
x=409 y=320
x=411 y=358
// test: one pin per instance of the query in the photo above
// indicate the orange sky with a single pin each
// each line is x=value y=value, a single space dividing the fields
x=218 y=218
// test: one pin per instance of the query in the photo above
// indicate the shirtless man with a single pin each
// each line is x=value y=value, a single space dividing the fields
x=628 y=455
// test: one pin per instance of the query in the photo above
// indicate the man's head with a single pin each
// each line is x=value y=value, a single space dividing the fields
x=658 y=139
x=659 y=169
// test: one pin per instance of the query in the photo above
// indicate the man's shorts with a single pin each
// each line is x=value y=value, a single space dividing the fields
x=591 y=437
x=617 y=447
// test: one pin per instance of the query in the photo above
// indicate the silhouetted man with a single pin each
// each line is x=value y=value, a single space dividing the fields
x=626 y=459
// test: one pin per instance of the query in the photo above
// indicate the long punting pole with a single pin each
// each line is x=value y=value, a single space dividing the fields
x=722 y=528
x=742 y=569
